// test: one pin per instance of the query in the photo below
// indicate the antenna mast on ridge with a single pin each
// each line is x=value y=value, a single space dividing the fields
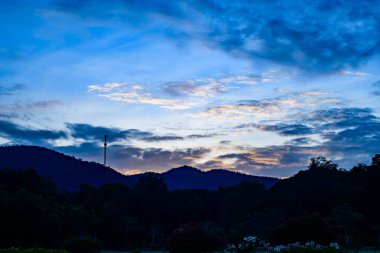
x=105 y=149
x=105 y=158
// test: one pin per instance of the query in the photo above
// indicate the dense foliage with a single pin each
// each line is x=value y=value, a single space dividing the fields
x=322 y=204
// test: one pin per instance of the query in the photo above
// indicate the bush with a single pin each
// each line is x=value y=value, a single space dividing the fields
x=83 y=244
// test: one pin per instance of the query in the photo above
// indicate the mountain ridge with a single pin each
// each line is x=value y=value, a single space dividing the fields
x=69 y=172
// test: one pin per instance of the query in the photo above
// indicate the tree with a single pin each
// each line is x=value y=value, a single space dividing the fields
x=322 y=163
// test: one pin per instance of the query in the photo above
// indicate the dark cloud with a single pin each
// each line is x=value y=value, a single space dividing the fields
x=162 y=138
x=198 y=136
x=129 y=157
x=363 y=138
x=307 y=34
x=346 y=135
x=256 y=103
x=300 y=141
x=292 y=129
x=23 y=135
x=176 y=89
x=347 y=116
x=279 y=160
x=89 y=132
x=282 y=128
x=320 y=35
x=351 y=135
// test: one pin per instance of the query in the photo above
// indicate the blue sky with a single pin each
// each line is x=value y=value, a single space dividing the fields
x=253 y=86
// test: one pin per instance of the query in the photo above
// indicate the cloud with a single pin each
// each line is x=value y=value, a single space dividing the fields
x=300 y=141
x=271 y=108
x=124 y=93
x=282 y=128
x=198 y=136
x=260 y=108
x=351 y=131
x=24 y=135
x=154 y=159
x=162 y=138
x=182 y=94
x=199 y=88
x=210 y=87
x=346 y=135
x=334 y=118
x=278 y=160
x=353 y=73
x=89 y=132
x=294 y=33
x=318 y=35
x=107 y=87
x=95 y=133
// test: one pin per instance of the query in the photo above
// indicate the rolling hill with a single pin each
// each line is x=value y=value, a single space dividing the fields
x=68 y=172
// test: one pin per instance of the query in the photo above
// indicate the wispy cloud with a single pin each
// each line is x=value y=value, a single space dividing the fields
x=281 y=128
x=259 y=108
x=182 y=94
x=199 y=88
x=134 y=94
x=210 y=87
x=273 y=108
x=353 y=73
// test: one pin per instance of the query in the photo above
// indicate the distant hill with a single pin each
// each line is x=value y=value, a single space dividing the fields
x=68 y=172
x=189 y=177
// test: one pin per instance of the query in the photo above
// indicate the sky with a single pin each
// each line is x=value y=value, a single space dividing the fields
x=257 y=87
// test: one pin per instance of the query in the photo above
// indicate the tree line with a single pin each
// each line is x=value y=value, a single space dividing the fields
x=322 y=203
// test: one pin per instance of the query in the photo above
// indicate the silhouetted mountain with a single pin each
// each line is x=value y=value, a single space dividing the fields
x=68 y=172
x=186 y=177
